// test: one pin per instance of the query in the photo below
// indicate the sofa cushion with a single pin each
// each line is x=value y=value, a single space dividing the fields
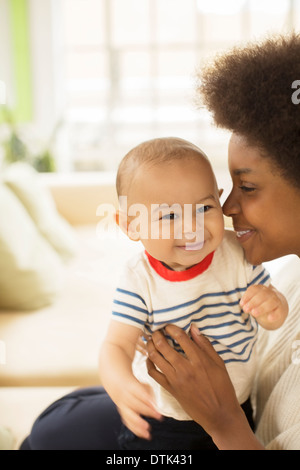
x=6 y=439
x=24 y=181
x=30 y=269
x=58 y=345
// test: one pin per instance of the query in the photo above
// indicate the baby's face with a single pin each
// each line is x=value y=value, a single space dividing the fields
x=175 y=211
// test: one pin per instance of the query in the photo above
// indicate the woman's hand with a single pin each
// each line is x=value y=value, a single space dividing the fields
x=201 y=385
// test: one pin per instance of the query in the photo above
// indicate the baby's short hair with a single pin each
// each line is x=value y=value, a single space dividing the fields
x=153 y=152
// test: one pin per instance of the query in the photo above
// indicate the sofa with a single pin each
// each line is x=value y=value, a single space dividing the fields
x=55 y=303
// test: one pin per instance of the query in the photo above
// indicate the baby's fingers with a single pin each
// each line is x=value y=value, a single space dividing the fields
x=259 y=300
x=249 y=295
x=268 y=307
x=133 y=421
x=141 y=401
x=141 y=345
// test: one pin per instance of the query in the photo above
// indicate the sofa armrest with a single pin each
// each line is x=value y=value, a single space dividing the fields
x=78 y=195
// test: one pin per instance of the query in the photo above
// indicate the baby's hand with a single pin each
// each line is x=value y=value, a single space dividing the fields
x=137 y=400
x=141 y=345
x=266 y=304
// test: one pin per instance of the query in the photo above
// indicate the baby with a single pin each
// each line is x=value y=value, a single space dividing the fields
x=192 y=271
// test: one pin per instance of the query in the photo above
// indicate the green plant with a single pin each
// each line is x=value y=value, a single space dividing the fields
x=16 y=150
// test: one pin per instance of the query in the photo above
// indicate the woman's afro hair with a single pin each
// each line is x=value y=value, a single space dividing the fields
x=249 y=91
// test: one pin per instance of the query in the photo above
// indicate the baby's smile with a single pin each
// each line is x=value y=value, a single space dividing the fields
x=192 y=246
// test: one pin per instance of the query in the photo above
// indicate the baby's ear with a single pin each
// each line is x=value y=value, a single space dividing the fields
x=221 y=192
x=123 y=222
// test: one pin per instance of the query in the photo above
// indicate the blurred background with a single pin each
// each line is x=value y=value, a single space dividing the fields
x=83 y=81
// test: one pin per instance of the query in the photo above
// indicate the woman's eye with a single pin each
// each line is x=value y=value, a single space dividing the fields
x=246 y=189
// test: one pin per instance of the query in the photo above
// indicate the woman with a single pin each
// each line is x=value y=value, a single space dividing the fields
x=249 y=92
x=258 y=190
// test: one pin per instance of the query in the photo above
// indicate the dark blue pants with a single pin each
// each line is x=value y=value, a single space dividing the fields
x=168 y=434
x=87 y=419
x=171 y=434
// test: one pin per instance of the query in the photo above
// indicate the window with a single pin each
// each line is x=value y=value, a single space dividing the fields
x=15 y=76
x=128 y=69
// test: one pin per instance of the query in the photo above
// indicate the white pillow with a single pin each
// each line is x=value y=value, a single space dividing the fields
x=7 y=440
x=24 y=181
x=30 y=268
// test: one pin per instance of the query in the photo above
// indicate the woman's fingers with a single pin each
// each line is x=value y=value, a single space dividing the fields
x=161 y=353
x=205 y=345
x=198 y=351
x=186 y=344
x=157 y=375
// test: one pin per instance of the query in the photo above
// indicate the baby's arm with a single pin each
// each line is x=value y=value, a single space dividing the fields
x=266 y=304
x=132 y=398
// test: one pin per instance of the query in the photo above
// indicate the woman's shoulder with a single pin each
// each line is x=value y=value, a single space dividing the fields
x=230 y=246
x=231 y=256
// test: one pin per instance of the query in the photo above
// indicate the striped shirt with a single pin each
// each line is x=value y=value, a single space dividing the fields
x=150 y=296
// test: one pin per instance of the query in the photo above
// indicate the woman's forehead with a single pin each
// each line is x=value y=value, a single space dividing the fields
x=246 y=159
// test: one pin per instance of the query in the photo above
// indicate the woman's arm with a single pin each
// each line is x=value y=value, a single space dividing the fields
x=202 y=386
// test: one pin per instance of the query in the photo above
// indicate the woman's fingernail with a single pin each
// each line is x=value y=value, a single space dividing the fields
x=196 y=330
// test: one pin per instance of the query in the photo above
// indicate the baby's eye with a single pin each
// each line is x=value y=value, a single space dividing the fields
x=170 y=216
x=203 y=209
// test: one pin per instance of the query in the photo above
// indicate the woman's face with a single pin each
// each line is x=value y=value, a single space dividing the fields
x=264 y=206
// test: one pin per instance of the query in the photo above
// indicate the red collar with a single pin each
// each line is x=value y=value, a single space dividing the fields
x=177 y=276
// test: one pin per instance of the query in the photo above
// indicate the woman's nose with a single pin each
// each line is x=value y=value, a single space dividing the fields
x=231 y=206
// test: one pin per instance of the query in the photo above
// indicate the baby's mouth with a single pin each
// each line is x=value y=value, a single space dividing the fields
x=192 y=246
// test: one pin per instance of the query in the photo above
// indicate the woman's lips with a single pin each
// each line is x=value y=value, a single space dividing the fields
x=244 y=235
